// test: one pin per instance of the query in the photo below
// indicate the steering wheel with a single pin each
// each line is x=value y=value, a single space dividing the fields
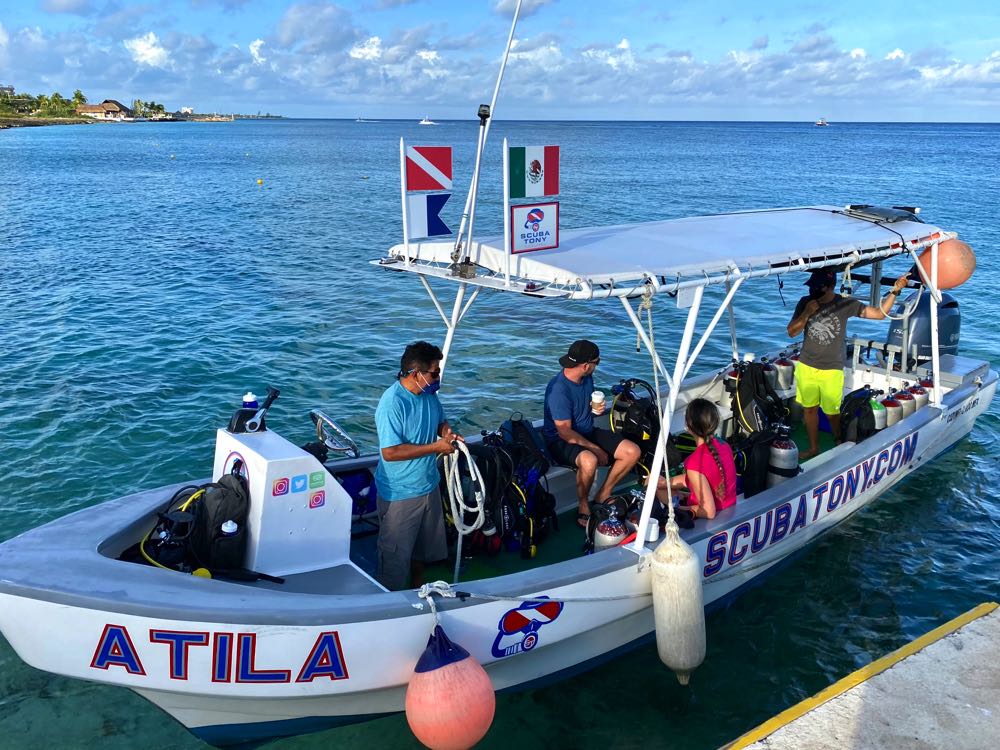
x=333 y=435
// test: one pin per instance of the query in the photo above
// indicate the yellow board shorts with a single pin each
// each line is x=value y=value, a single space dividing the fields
x=823 y=388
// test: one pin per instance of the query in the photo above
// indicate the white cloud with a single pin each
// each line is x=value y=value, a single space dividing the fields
x=896 y=54
x=79 y=7
x=146 y=50
x=4 y=36
x=528 y=7
x=858 y=54
x=428 y=55
x=370 y=49
x=255 y=46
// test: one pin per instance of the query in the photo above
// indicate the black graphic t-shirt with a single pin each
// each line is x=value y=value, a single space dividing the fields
x=823 y=346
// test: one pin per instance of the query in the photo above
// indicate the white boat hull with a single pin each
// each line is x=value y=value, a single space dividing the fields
x=235 y=680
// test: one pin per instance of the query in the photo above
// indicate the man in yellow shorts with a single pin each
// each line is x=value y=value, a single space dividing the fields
x=819 y=373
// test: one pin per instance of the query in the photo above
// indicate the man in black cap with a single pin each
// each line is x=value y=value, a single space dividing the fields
x=819 y=373
x=569 y=428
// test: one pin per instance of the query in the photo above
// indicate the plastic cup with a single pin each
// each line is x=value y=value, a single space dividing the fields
x=596 y=401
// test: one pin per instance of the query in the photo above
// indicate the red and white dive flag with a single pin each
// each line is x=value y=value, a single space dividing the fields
x=422 y=215
x=428 y=168
x=533 y=171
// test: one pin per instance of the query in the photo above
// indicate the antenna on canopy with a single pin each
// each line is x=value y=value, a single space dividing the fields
x=466 y=269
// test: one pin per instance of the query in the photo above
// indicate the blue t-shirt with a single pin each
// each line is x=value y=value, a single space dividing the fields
x=405 y=418
x=565 y=399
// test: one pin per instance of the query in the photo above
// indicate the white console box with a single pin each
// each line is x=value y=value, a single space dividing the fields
x=300 y=516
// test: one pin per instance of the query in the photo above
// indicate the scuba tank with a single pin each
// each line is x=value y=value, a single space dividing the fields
x=783 y=462
x=732 y=377
x=786 y=372
x=878 y=411
x=893 y=409
x=770 y=373
x=907 y=401
x=920 y=395
x=927 y=382
x=611 y=531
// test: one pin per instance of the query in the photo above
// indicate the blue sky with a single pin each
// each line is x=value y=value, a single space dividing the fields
x=574 y=59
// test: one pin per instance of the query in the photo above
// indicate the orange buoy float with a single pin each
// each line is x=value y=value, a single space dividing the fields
x=956 y=263
x=450 y=700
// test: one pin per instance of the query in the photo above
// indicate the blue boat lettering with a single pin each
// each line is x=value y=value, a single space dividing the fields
x=775 y=524
x=234 y=656
x=961 y=410
x=518 y=629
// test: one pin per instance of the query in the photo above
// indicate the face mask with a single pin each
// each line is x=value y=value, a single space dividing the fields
x=429 y=388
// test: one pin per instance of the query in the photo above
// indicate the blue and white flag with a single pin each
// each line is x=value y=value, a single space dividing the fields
x=422 y=215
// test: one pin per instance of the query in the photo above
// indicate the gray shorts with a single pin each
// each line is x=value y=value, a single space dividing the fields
x=411 y=529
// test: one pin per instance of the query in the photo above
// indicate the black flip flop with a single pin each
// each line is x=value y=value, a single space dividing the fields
x=582 y=520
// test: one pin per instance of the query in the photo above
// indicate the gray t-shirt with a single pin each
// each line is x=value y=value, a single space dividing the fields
x=823 y=345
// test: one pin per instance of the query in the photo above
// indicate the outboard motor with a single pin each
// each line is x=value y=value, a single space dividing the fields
x=784 y=459
x=893 y=409
x=949 y=325
x=907 y=401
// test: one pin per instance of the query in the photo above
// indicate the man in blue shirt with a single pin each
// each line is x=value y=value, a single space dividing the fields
x=570 y=433
x=412 y=433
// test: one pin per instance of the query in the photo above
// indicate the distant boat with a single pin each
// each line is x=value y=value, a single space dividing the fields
x=427 y=121
x=821 y=122
x=362 y=119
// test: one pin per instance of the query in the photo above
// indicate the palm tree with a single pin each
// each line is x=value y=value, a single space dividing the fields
x=78 y=98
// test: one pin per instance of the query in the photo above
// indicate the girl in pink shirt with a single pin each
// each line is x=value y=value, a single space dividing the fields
x=710 y=472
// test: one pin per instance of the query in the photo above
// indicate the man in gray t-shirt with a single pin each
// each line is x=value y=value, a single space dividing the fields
x=819 y=373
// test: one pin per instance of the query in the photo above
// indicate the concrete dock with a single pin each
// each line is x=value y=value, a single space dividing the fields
x=940 y=691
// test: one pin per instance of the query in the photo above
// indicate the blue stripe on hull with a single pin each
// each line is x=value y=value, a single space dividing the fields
x=248 y=736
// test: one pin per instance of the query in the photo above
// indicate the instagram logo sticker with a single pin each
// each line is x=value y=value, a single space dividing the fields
x=280 y=487
x=317 y=499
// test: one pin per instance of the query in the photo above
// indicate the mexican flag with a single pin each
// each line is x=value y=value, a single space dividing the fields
x=534 y=171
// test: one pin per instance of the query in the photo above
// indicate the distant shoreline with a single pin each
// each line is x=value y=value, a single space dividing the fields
x=31 y=122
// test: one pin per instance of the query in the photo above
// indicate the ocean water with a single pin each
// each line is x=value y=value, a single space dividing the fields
x=147 y=281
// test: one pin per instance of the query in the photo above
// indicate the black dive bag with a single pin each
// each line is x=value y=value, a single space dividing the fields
x=225 y=500
x=756 y=406
x=752 y=454
x=857 y=418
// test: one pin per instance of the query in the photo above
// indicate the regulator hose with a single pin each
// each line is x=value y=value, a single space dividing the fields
x=457 y=500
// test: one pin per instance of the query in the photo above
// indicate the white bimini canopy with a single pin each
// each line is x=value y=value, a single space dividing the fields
x=628 y=260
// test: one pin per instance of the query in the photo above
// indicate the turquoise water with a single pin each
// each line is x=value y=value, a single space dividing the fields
x=147 y=281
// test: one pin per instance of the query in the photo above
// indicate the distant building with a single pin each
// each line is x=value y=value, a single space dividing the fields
x=7 y=91
x=187 y=110
x=109 y=109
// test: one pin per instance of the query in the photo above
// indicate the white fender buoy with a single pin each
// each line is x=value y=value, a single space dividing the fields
x=678 y=605
x=450 y=700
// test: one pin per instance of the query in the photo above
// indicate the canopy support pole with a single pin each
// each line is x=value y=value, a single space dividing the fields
x=935 y=353
x=456 y=316
x=726 y=303
x=657 y=362
x=660 y=464
x=732 y=322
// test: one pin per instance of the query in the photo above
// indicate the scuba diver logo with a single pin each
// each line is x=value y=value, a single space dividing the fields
x=535 y=217
x=518 y=628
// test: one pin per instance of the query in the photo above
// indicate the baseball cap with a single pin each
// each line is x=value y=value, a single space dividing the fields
x=822 y=277
x=580 y=352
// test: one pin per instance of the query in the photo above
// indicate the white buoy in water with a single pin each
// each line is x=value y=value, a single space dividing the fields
x=678 y=605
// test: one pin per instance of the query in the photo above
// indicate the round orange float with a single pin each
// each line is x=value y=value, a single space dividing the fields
x=956 y=263
x=450 y=700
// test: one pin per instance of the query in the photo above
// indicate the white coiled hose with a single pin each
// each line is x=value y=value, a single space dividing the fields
x=457 y=501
